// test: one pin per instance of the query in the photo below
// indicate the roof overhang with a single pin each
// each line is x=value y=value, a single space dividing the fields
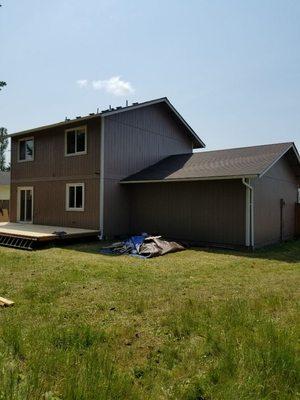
x=56 y=125
x=210 y=178
x=164 y=100
x=293 y=147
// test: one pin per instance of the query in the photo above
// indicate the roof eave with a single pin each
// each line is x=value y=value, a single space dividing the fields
x=211 y=178
x=56 y=125
x=292 y=146
x=197 y=142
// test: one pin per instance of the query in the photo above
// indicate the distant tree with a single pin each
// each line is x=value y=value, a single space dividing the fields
x=3 y=148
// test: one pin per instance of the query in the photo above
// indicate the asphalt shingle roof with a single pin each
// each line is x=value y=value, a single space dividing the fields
x=240 y=162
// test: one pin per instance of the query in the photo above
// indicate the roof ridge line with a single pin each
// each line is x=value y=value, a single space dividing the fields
x=243 y=147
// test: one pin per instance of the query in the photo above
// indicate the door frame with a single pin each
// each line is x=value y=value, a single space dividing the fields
x=19 y=203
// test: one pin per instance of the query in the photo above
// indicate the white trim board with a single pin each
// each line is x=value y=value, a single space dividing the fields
x=292 y=146
x=74 y=184
x=190 y=179
x=77 y=153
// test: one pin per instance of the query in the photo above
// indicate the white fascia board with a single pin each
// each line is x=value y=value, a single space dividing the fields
x=191 y=179
x=56 y=125
x=292 y=146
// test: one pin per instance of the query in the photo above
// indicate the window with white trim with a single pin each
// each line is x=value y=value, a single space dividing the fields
x=75 y=141
x=26 y=149
x=75 y=197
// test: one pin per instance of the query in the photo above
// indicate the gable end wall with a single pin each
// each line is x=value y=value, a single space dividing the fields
x=134 y=140
x=278 y=183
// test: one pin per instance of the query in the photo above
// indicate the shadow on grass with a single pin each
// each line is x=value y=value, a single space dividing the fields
x=288 y=252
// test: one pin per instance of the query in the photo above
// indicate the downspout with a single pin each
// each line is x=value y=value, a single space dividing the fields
x=249 y=213
x=101 y=187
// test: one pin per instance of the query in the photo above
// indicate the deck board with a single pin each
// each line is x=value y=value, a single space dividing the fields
x=42 y=232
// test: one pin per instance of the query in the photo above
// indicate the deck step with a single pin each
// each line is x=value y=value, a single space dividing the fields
x=16 y=242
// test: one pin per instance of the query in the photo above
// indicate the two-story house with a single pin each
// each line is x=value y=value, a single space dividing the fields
x=134 y=168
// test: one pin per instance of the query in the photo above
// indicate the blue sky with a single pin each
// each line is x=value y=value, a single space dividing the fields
x=230 y=67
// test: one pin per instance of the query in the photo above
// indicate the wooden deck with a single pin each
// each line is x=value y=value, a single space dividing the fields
x=43 y=232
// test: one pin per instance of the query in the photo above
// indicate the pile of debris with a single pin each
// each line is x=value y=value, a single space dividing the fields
x=143 y=246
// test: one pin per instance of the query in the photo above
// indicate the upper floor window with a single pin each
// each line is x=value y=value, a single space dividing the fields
x=75 y=141
x=26 y=149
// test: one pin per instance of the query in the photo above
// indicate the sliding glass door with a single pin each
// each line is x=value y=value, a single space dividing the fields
x=25 y=204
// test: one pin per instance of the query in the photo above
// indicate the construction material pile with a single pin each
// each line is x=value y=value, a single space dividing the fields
x=143 y=246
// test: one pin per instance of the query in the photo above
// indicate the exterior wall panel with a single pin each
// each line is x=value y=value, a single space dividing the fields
x=204 y=212
x=49 y=172
x=278 y=183
x=134 y=140
x=49 y=204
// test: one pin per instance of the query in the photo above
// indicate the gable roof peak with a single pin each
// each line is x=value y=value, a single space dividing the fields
x=197 y=142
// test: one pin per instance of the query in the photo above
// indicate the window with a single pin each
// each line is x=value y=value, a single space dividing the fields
x=75 y=141
x=26 y=149
x=75 y=197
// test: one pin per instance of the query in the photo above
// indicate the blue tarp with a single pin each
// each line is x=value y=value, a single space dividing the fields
x=130 y=246
x=143 y=246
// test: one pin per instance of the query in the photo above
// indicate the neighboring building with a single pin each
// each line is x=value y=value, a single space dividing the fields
x=4 y=186
x=4 y=195
x=75 y=173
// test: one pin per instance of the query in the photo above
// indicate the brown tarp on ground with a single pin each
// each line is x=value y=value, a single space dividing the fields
x=153 y=246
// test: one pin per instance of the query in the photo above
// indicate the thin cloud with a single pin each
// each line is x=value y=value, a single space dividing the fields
x=82 y=83
x=115 y=85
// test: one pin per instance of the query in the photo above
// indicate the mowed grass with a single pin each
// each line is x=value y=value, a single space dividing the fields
x=201 y=324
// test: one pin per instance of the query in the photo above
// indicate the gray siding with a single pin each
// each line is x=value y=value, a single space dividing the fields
x=204 y=211
x=278 y=183
x=134 y=140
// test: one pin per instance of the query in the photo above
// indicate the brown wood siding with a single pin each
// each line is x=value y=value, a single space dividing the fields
x=134 y=140
x=51 y=170
x=278 y=183
x=208 y=211
x=49 y=200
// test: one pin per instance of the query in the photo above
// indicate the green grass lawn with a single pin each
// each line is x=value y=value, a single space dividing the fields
x=200 y=324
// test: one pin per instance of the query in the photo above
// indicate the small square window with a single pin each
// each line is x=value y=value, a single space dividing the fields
x=75 y=141
x=26 y=149
x=75 y=197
